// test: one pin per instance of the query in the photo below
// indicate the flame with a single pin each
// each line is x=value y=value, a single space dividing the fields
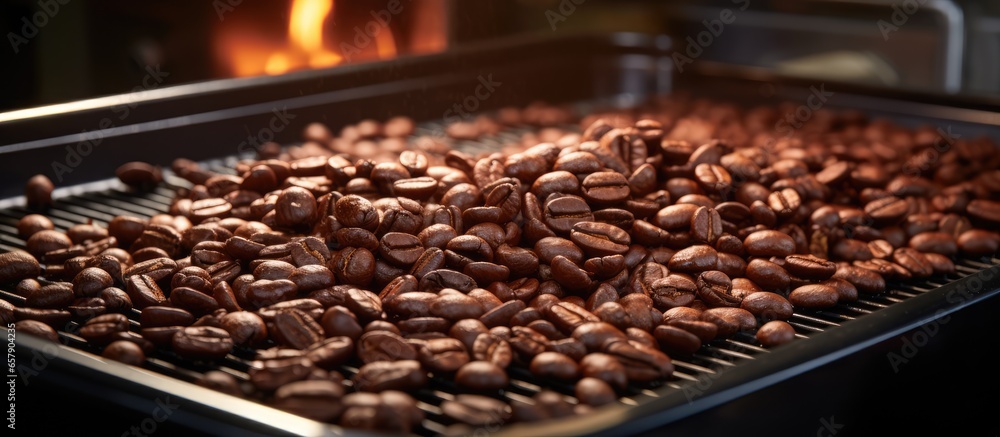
x=311 y=44
x=305 y=35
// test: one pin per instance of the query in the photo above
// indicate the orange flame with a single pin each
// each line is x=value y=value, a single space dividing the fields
x=305 y=34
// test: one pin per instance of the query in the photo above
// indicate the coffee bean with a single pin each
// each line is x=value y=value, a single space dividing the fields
x=272 y=374
x=785 y=202
x=768 y=275
x=33 y=223
x=775 y=333
x=604 y=367
x=476 y=410
x=125 y=352
x=694 y=259
x=605 y=187
x=814 y=296
x=553 y=365
x=202 y=342
x=809 y=267
x=600 y=239
x=384 y=375
x=767 y=305
x=482 y=375
x=563 y=213
x=714 y=288
x=442 y=354
x=594 y=392
x=977 y=242
x=15 y=266
x=769 y=243
x=706 y=225
x=986 y=210
x=913 y=261
x=384 y=346
x=38 y=192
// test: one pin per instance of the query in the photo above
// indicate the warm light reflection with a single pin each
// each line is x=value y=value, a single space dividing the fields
x=305 y=36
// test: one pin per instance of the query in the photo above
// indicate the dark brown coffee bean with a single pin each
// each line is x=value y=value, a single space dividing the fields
x=317 y=400
x=785 y=202
x=730 y=320
x=271 y=374
x=604 y=367
x=977 y=242
x=846 y=291
x=143 y=291
x=594 y=392
x=456 y=306
x=553 y=365
x=383 y=375
x=45 y=241
x=354 y=211
x=986 y=210
x=605 y=187
x=550 y=247
x=197 y=302
x=675 y=217
x=767 y=306
x=913 y=261
x=442 y=354
x=809 y=267
x=677 y=341
x=33 y=223
x=124 y=352
x=296 y=329
x=202 y=342
x=244 y=327
x=706 y=225
x=642 y=363
x=441 y=278
x=267 y=292
x=38 y=192
x=814 y=296
x=354 y=266
x=768 y=275
x=482 y=375
x=936 y=242
x=384 y=346
x=769 y=243
x=694 y=259
x=600 y=239
x=886 y=210
x=476 y=410
x=563 y=213
x=714 y=288
x=15 y=266
x=569 y=275
x=775 y=333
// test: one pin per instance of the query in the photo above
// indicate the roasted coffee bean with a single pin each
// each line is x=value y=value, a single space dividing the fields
x=384 y=375
x=15 y=266
x=986 y=210
x=442 y=354
x=384 y=346
x=52 y=296
x=244 y=327
x=495 y=350
x=977 y=242
x=694 y=259
x=267 y=292
x=202 y=342
x=706 y=225
x=775 y=333
x=600 y=239
x=46 y=241
x=124 y=352
x=143 y=291
x=605 y=187
x=936 y=242
x=441 y=279
x=642 y=363
x=887 y=210
x=456 y=306
x=768 y=275
x=814 y=296
x=100 y=330
x=767 y=306
x=594 y=392
x=271 y=374
x=501 y=314
x=677 y=341
x=296 y=329
x=913 y=261
x=33 y=223
x=604 y=367
x=675 y=217
x=714 y=287
x=354 y=266
x=730 y=320
x=139 y=175
x=809 y=267
x=482 y=375
x=784 y=203
x=563 y=213
x=846 y=291
x=38 y=192
x=476 y=410
x=553 y=365
x=550 y=247
x=769 y=243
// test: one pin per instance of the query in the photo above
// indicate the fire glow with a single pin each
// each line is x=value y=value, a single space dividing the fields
x=309 y=43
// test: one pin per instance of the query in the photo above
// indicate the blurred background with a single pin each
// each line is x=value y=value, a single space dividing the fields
x=64 y=50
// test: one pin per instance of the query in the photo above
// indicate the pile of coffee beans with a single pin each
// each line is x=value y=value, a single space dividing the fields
x=588 y=258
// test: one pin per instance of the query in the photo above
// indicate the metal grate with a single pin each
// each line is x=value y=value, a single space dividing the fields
x=102 y=205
